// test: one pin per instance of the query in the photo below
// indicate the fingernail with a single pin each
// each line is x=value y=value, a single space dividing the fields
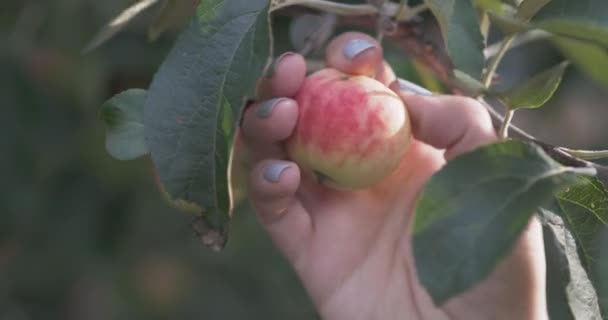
x=265 y=108
x=274 y=171
x=355 y=47
x=405 y=85
x=273 y=66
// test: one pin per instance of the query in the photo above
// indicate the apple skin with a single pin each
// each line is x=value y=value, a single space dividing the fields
x=352 y=131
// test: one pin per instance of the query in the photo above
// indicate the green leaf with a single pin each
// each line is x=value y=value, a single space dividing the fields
x=528 y=8
x=467 y=84
x=594 y=34
x=570 y=293
x=474 y=209
x=590 y=58
x=585 y=210
x=509 y=24
x=580 y=20
x=459 y=25
x=195 y=101
x=584 y=207
x=536 y=91
x=123 y=117
x=490 y=5
x=593 y=11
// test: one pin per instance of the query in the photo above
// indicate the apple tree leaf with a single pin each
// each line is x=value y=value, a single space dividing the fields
x=589 y=58
x=460 y=28
x=570 y=293
x=195 y=102
x=537 y=90
x=473 y=210
x=528 y=8
x=584 y=208
x=123 y=117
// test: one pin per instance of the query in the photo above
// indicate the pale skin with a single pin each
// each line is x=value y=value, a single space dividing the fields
x=352 y=250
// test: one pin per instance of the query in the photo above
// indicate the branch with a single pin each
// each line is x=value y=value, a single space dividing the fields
x=520 y=40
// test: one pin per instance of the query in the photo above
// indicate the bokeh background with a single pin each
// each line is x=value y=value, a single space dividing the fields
x=84 y=236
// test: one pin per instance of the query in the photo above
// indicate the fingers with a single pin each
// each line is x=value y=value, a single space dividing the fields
x=454 y=123
x=273 y=118
x=354 y=53
x=285 y=77
x=273 y=186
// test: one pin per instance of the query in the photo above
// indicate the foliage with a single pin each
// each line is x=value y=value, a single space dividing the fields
x=193 y=105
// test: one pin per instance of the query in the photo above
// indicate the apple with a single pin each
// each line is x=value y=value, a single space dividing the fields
x=352 y=130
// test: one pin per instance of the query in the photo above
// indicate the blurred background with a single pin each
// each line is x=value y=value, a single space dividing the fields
x=83 y=236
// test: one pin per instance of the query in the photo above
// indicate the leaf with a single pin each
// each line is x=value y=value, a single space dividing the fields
x=585 y=31
x=467 y=84
x=490 y=5
x=593 y=11
x=461 y=32
x=195 y=101
x=528 y=8
x=536 y=91
x=118 y=23
x=584 y=208
x=580 y=20
x=172 y=13
x=123 y=117
x=473 y=210
x=508 y=24
x=570 y=293
x=590 y=58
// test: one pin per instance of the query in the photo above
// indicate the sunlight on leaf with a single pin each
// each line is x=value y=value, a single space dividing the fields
x=536 y=91
x=584 y=207
x=570 y=293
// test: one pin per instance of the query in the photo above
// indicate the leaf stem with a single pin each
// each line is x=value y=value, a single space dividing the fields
x=495 y=62
x=487 y=83
x=504 y=129
x=587 y=154
x=520 y=40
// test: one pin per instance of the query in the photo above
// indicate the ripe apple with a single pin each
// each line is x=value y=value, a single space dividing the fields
x=352 y=131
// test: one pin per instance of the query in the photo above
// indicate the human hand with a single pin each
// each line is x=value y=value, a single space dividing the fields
x=353 y=250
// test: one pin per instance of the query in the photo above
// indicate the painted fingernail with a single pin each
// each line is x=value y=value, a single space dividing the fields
x=274 y=171
x=275 y=63
x=405 y=85
x=355 y=47
x=265 y=108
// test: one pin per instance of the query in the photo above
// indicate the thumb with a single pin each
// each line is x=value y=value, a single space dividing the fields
x=455 y=123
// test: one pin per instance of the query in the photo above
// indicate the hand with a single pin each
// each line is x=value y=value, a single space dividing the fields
x=353 y=250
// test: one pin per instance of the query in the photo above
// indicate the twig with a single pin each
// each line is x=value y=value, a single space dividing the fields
x=520 y=40
x=504 y=47
x=504 y=128
x=587 y=154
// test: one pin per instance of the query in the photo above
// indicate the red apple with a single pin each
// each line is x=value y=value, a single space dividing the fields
x=352 y=131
